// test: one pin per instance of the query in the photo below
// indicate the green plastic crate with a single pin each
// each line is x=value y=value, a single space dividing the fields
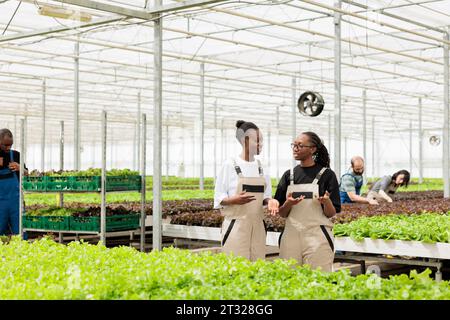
x=55 y=183
x=33 y=222
x=81 y=183
x=46 y=222
x=34 y=183
x=57 y=223
x=85 y=183
x=113 y=223
x=123 y=183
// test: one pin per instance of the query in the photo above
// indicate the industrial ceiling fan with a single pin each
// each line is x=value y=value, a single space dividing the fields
x=310 y=104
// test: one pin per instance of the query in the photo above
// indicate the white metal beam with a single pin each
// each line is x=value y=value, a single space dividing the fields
x=445 y=140
x=337 y=90
x=101 y=6
x=43 y=126
x=157 y=132
x=202 y=125
x=145 y=14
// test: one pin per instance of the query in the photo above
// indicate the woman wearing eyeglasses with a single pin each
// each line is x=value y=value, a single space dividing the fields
x=309 y=196
x=241 y=192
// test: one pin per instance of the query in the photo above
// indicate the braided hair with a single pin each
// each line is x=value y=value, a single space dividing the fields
x=321 y=156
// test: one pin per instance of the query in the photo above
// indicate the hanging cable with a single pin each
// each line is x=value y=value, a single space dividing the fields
x=6 y=28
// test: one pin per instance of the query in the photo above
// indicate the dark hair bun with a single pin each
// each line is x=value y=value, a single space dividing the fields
x=239 y=123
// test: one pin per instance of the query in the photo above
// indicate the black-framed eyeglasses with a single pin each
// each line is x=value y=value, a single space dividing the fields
x=299 y=146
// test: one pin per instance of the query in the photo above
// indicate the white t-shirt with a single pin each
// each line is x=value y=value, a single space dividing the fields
x=227 y=179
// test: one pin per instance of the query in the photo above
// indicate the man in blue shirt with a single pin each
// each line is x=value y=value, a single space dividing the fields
x=352 y=182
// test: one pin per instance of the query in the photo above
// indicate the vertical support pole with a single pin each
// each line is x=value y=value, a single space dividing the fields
x=22 y=167
x=61 y=158
x=183 y=143
x=269 y=138
x=103 y=181
x=330 y=126
x=194 y=154
x=294 y=117
x=76 y=115
x=364 y=98
x=337 y=89
x=43 y=126
x=61 y=167
x=138 y=134
x=15 y=126
x=143 y=154
x=345 y=150
x=446 y=151
x=410 y=148
x=167 y=148
x=420 y=143
x=25 y=138
x=157 y=121
x=50 y=154
x=215 y=141
x=136 y=146
x=277 y=142
x=222 y=138
x=373 y=146
x=202 y=124
x=111 y=147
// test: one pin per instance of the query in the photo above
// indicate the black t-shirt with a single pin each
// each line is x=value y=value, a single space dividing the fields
x=7 y=159
x=304 y=175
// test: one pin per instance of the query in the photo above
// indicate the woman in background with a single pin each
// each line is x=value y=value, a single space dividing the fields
x=383 y=189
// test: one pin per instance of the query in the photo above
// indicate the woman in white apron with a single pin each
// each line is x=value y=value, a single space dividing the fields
x=309 y=196
x=241 y=192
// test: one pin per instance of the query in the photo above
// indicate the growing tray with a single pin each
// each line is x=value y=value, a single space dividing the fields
x=46 y=222
x=81 y=183
x=113 y=223
x=61 y=223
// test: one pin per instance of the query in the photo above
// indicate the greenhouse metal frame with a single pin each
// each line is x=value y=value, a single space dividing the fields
x=382 y=66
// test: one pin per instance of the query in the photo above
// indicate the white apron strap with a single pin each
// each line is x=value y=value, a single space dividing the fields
x=291 y=176
x=319 y=175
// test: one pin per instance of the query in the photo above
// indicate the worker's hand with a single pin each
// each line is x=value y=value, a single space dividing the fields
x=389 y=200
x=373 y=202
x=293 y=201
x=325 y=198
x=273 y=207
x=241 y=198
x=14 y=166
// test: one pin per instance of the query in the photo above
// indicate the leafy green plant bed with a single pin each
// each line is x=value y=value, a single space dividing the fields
x=169 y=208
x=351 y=212
x=47 y=270
x=426 y=227
x=93 y=198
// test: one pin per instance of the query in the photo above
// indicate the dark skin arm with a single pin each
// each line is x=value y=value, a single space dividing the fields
x=285 y=209
x=15 y=167
x=328 y=208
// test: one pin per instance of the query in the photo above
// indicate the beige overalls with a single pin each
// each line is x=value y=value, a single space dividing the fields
x=308 y=236
x=243 y=230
